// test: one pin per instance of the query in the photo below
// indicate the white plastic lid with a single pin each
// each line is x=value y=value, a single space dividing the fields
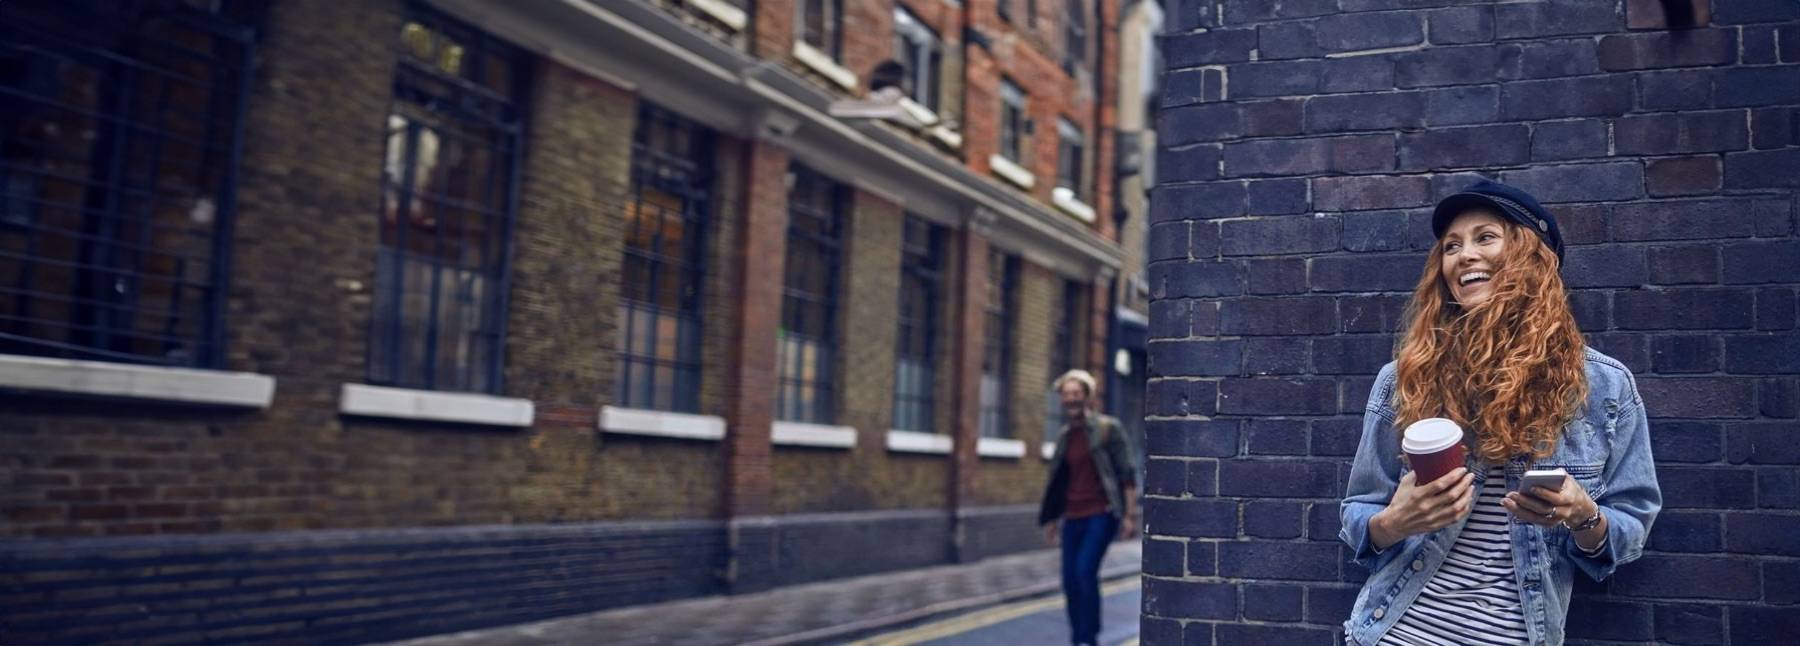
x=1430 y=436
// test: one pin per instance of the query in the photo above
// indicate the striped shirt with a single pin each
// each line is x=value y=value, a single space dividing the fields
x=1473 y=598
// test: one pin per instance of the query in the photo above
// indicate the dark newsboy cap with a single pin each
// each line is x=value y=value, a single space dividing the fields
x=1507 y=201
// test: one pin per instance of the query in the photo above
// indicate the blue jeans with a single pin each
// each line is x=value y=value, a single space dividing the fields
x=1084 y=543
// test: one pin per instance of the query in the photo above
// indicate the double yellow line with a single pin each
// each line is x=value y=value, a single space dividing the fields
x=991 y=616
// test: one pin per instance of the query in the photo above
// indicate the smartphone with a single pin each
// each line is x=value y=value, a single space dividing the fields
x=1551 y=479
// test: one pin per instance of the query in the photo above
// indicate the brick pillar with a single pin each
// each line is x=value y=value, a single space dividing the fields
x=772 y=29
x=750 y=395
x=968 y=337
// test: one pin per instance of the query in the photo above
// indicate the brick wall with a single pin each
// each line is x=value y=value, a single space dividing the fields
x=1302 y=147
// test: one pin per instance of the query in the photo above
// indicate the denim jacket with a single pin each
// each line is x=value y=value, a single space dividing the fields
x=1606 y=449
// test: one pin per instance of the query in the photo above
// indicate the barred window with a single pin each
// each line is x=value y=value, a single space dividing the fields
x=452 y=158
x=119 y=131
x=1074 y=36
x=921 y=292
x=1065 y=348
x=1012 y=121
x=822 y=26
x=666 y=223
x=808 y=335
x=997 y=355
x=1071 y=145
x=916 y=45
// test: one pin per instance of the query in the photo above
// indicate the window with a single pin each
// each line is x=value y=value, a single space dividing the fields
x=1031 y=13
x=665 y=224
x=1065 y=347
x=822 y=26
x=1004 y=8
x=916 y=47
x=1069 y=150
x=447 y=209
x=1012 y=121
x=997 y=355
x=808 y=335
x=921 y=290
x=119 y=132
x=1074 y=36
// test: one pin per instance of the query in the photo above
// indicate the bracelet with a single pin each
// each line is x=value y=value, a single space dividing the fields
x=1587 y=524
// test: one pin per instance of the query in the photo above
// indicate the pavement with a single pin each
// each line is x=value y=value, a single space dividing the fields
x=1004 y=600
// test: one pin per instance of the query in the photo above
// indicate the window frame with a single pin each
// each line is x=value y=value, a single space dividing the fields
x=923 y=78
x=1014 y=116
x=830 y=40
x=1071 y=157
x=1000 y=312
x=922 y=267
x=1075 y=36
x=789 y=406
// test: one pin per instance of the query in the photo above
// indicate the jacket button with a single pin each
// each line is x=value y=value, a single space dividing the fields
x=1418 y=564
x=1380 y=612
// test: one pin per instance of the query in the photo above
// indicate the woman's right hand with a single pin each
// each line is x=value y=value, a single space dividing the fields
x=1419 y=509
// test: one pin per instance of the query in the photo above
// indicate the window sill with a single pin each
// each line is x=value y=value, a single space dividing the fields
x=429 y=405
x=950 y=138
x=1064 y=198
x=820 y=62
x=916 y=442
x=723 y=12
x=919 y=111
x=994 y=447
x=814 y=435
x=1012 y=172
x=656 y=423
x=1048 y=450
x=130 y=381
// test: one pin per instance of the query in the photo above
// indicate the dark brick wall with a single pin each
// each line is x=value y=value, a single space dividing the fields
x=1292 y=217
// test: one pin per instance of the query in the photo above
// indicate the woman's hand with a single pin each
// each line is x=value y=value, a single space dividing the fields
x=1549 y=507
x=1419 y=509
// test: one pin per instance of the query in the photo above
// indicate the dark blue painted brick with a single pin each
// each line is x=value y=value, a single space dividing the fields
x=1580 y=182
x=1203 y=558
x=1732 y=12
x=1716 y=397
x=1696 y=442
x=1382 y=111
x=1686 y=132
x=1478 y=146
x=1762 y=442
x=1357 y=74
x=1204 y=239
x=1274 y=79
x=1159 y=631
x=1206 y=318
x=1272 y=118
x=1629 y=349
x=1775 y=127
x=1277 y=355
x=1274 y=602
x=1190 y=164
x=1190 y=600
x=1272 y=479
x=1669 y=354
x=1551 y=59
x=1761 y=262
x=1323 y=521
x=1675 y=90
x=1182 y=397
x=1435 y=66
x=1205 y=358
x=1678 y=531
x=1701 y=488
x=1265 y=519
x=1781 y=582
x=1336 y=437
x=1605 y=96
x=1605 y=266
x=1203 y=477
x=1352 y=355
x=1276 y=196
x=1764 y=534
x=1593 y=310
x=1462 y=105
x=1211 y=47
x=1165 y=477
x=1381 y=313
x=1277 y=396
x=1354 y=393
x=1375 y=231
x=1286 y=40
x=1658 y=49
x=1689 y=577
x=1278 y=235
x=1278 y=316
x=1778 y=488
x=1583 y=223
x=1277 y=276
x=1272 y=560
x=1684 y=309
x=1366 y=273
x=1777 y=354
x=1759 y=46
x=1165 y=558
x=1609 y=620
x=1198 y=278
x=1693 y=219
x=1694 y=624
x=1575 y=139
x=1171 y=319
x=1168 y=241
x=1187 y=87
x=1191 y=438
x=1775 y=309
x=1763 y=625
x=1277 y=437
x=1197 y=201
x=1273 y=634
x=1780 y=397
x=1188 y=16
x=1459 y=25
x=1756 y=87
x=1191 y=518
x=1350 y=32
x=1330 y=605
x=1195 y=124
x=1682 y=265
x=1368 y=193
x=1762 y=169
x=1555 y=18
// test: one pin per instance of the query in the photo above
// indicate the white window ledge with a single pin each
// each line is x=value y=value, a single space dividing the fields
x=946 y=136
x=129 y=381
x=723 y=12
x=916 y=442
x=918 y=111
x=656 y=423
x=821 y=62
x=994 y=447
x=1048 y=450
x=1012 y=172
x=817 y=435
x=1064 y=198
x=431 y=405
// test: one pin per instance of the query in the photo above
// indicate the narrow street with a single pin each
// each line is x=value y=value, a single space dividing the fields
x=1032 y=621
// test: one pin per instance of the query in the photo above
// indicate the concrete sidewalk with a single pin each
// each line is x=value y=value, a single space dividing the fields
x=817 y=612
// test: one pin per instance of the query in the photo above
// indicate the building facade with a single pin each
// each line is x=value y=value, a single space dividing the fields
x=351 y=321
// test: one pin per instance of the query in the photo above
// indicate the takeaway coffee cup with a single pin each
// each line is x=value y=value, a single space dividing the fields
x=1434 y=447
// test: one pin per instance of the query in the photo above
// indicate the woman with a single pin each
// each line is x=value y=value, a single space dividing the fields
x=1490 y=343
x=1091 y=488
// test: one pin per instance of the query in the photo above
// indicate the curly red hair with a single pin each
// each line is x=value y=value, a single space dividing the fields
x=1511 y=369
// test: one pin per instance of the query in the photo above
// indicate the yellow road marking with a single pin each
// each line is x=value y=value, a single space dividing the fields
x=991 y=616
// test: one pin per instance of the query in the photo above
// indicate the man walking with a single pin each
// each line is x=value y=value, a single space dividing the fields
x=1091 y=490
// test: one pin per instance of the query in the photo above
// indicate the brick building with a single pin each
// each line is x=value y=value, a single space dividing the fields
x=1303 y=145
x=348 y=321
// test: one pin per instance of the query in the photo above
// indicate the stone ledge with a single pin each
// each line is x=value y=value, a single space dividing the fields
x=136 y=382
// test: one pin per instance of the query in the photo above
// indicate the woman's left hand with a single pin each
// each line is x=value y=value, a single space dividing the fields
x=1547 y=508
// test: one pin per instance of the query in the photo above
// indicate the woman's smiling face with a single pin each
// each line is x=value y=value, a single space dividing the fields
x=1472 y=250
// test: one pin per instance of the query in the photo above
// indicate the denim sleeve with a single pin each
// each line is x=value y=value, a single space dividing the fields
x=1374 y=475
x=1631 y=498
